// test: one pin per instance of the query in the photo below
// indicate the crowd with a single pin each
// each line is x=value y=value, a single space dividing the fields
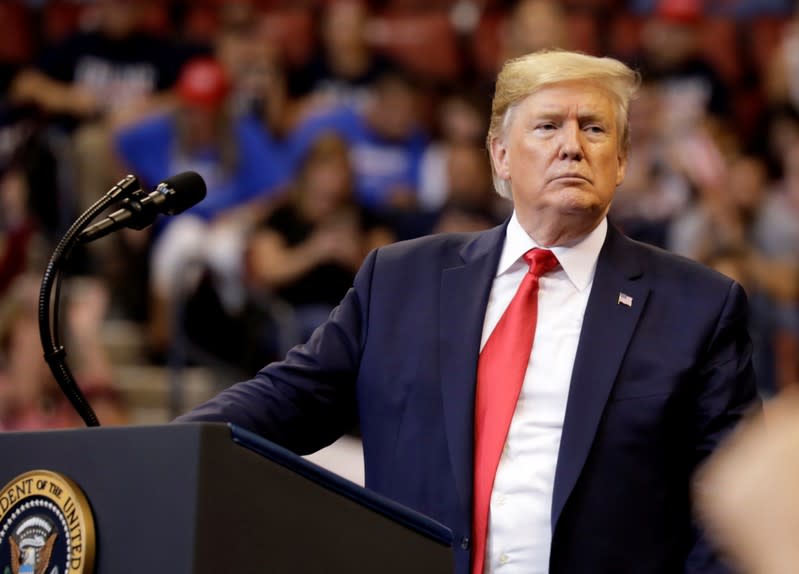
x=326 y=129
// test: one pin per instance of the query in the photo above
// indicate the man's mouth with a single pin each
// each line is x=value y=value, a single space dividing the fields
x=571 y=176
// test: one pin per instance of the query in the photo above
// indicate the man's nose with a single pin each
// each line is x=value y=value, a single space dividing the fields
x=571 y=147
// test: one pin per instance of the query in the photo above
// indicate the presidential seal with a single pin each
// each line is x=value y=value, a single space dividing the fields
x=46 y=526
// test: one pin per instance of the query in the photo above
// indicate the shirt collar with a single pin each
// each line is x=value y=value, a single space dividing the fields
x=577 y=260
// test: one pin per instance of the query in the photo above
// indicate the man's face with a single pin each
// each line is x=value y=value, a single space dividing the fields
x=119 y=18
x=561 y=156
x=395 y=110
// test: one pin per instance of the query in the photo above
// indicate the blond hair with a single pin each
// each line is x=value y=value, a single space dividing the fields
x=523 y=76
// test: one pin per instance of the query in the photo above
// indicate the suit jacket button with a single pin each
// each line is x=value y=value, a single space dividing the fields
x=465 y=542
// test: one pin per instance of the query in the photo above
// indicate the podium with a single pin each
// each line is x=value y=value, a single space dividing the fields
x=216 y=499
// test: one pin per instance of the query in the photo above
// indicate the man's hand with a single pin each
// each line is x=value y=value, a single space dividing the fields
x=748 y=493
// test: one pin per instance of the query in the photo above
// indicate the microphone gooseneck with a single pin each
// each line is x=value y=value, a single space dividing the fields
x=172 y=196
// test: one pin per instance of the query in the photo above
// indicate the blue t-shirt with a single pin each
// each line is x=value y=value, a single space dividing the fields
x=380 y=165
x=150 y=150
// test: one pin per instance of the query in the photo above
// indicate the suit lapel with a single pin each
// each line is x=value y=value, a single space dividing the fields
x=618 y=296
x=465 y=288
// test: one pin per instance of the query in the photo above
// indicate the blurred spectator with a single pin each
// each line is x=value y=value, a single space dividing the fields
x=534 y=25
x=248 y=58
x=200 y=135
x=276 y=117
x=743 y=215
x=471 y=204
x=724 y=215
x=691 y=87
x=300 y=260
x=654 y=188
x=745 y=266
x=461 y=121
x=112 y=67
x=776 y=229
x=469 y=201
x=782 y=84
x=27 y=158
x=345 y=65
x=778 y=132
x=29 y=396
x=27 y=205
x=386 y=140
x=776 y=235
x=728 y=8
x=308 y=250
x=11 y=127
x=260 y=99
x=17 y=229
x=28 y=391
x=723 y=230
x=746 y=492
x=111 y=72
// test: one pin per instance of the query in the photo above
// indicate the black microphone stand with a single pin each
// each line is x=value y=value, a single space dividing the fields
x=54 y=352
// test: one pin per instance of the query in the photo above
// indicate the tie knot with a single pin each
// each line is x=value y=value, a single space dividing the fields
x=541 y=261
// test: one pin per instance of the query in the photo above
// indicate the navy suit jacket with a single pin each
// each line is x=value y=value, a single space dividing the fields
x=655 y=386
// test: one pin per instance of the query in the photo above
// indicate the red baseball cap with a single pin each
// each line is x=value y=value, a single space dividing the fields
x=203 y=82
x=680 y=11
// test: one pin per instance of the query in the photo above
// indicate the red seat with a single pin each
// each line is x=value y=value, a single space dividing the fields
x=292 y=31
x=60 y=19
x=765 y=36
x=582 y=32
x=624 y=39
x=16 y=42
x=720 y=47
x=424 y=42
x=202 y=23
x=156 y=18
x=487 y=44
x=417 y=5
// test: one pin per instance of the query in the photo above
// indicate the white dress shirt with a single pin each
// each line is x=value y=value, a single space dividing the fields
x=519 y=529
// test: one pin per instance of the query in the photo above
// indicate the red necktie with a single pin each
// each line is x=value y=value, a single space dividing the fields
x=500 y=374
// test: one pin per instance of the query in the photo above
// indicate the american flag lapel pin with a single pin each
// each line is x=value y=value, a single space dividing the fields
x=625 y=299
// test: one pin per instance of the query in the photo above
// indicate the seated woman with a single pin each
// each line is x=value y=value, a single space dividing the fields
x=309 y=248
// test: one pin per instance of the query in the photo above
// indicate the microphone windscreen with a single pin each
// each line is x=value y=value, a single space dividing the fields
x=185 y=190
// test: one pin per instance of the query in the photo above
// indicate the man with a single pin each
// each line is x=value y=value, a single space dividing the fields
x=387 y=143
x=640 y=363
x=94 y=79
x=230 y=153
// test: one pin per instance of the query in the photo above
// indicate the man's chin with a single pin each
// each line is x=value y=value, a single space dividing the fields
x=578 y=202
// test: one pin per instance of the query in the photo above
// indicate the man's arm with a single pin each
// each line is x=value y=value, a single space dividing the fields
x=727 y=392
x=747 y=492
x=33 y=86
x=308 y=400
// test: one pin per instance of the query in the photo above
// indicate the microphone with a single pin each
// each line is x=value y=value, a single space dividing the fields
x=174 y=195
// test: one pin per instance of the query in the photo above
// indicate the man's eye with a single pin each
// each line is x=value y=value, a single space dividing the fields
x=546 y=126
x=595 y=129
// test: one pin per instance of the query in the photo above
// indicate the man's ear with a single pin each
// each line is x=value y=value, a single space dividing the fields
x=500 y=158
x=622 y=168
